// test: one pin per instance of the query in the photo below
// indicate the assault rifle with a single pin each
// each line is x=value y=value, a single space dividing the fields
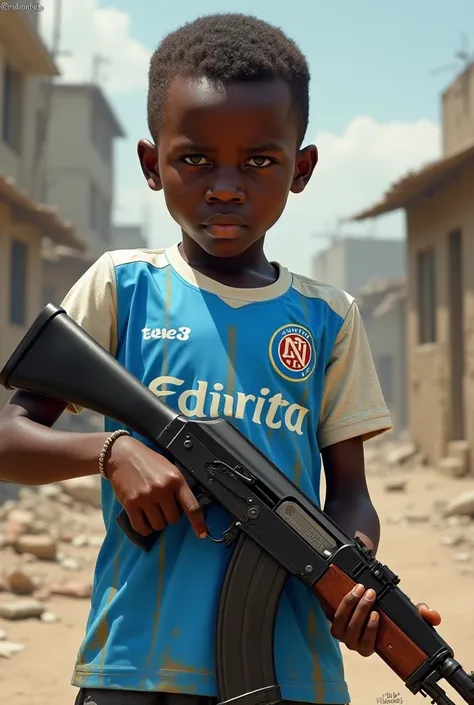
x=276 y=529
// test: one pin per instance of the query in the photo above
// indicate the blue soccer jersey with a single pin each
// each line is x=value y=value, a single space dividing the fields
x=289 y=365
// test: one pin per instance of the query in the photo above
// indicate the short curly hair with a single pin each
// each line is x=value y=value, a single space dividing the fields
x=223 y=48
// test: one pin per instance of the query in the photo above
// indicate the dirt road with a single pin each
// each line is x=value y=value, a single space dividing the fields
x=413 y=544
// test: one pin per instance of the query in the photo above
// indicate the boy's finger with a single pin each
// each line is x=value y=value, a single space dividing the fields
x=170 y=509
x=155 y=517
x=367 y=642
x=344 y=612
x=139 y=521
x=193 y=510
x=431 y=616
x=355 y=628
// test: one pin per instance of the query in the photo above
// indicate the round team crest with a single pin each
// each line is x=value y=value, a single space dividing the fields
x=292 y=352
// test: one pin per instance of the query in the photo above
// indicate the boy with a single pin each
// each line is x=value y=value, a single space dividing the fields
x=215 y=329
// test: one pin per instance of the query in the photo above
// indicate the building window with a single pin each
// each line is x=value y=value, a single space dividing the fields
x=105 y=222
x=99 y=214
x=18 y=283
x=93 y=207
x=93 y=125
x=426 y=283
x=100 y=135
x=384 y=366
x=12 y=109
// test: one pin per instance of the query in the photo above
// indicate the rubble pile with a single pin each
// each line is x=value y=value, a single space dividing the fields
x=393 y=458
x=453 y=517
x=44 y=537
x=454 y=520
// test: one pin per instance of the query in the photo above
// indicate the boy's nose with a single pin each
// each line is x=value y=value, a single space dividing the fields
x=225 y=190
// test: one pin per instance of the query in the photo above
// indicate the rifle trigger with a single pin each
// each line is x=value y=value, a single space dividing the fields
x=228 y=535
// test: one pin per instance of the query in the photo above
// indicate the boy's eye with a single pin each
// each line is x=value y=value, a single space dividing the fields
x=200 y=160
x=260 y=162
x=195 y=159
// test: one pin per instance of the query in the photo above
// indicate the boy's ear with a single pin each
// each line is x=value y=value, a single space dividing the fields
x=306 y=161
x=148 y=157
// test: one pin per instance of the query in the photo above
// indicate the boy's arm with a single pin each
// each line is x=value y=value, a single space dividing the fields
x=33 y=454
x=353 y=410
x=30 y=452
x=347 y=496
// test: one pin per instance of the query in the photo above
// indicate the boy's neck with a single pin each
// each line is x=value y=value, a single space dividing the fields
x=249 y=270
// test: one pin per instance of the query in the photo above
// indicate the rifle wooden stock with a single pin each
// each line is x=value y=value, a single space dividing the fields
x=392 y=645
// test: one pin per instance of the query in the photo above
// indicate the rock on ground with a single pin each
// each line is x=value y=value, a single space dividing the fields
x=461 y=505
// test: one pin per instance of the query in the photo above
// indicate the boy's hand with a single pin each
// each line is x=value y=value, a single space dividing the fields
x=356 y=624
x=151 y=489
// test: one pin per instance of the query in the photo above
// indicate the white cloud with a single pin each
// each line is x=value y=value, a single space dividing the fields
x=86 y=30
x=355 y=169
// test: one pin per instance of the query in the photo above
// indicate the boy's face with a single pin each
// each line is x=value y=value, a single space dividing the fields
x=226 y=159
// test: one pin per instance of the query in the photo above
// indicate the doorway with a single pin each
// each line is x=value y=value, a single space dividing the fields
x=456 y=323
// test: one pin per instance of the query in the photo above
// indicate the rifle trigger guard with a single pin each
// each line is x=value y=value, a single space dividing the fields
x=225 y=534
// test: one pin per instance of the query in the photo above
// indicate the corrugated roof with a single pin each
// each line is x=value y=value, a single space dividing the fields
x=382 y=285
x=23 y=41
x=416 y=183
x=388 y=303
x=380 y=295
x=53 y=253
x=44 y=217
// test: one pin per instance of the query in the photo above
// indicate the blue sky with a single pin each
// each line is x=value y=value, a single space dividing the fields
x=374 y=101
x=367 y=57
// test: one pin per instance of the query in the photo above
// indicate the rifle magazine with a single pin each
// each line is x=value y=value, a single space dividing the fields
x=248 y=604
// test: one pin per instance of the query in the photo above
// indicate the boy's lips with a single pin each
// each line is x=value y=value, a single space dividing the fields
x=221 y=225
x=223 y=219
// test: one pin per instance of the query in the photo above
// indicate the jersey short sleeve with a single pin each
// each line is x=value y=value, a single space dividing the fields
x=353 y=403
x=92 y=304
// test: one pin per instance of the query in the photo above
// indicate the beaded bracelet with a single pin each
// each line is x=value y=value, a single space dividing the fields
x=110 y=440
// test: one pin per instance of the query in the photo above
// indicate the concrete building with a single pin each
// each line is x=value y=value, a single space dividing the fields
x=80 y=161
x=24 y=222
x=25 y=64
x=126 y=237
x=439 y=207
x=382 y=303
x=63 y=266
x=80 y=175
x=350 y=262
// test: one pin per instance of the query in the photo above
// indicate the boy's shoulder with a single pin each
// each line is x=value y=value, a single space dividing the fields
x=336 y=299
x=155 y=257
